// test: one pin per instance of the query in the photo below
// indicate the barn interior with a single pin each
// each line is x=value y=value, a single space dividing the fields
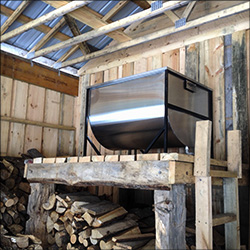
x=59 y=167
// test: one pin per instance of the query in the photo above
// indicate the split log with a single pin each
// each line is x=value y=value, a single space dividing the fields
x=133 y=237
x=99 y=233
x=61 y=238
x=115 y=214
x=131 y=244
x=51 y=202
x=54 y=216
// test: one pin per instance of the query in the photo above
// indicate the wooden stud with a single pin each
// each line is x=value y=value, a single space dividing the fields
x=202 y=148
x=230 y=186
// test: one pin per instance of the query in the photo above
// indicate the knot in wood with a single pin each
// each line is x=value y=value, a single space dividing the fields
x=164 y=206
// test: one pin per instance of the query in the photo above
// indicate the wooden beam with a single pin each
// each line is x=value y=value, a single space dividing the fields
x=45 y=18
x=203 y=186
x=129 y=174
x=150 y=37
x=35 y=123
x=172 y=16
x=143 y=4
x=115 y=10
x=92 y=19
x=175 y=40
x=202 y=151
x=70 y=52
x=18 y=11
x=49 y=35
x=170 y=218
x=231 y=193
x=76 y=32
x=188 y=10
x=20 y=69
x=109 y=27
x=24 y=19
x=221 y=219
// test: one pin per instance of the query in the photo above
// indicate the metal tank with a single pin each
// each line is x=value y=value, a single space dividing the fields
x=155 y=109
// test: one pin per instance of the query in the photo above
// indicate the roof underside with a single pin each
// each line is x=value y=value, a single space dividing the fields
x=100 y=11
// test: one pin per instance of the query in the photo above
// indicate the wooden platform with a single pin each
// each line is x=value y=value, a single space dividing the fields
x=149 y=171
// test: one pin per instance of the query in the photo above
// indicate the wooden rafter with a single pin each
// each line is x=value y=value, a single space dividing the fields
x=110 y=27
x=69 y=53
x=143 y=4
x=92 y=19
x=115 y=10
x=76 y=32
x=45 y=18
x=49 y=35
x=172 y=16
x=157 y=34
x=24 y=19
x=188 y=10
x=14 y=16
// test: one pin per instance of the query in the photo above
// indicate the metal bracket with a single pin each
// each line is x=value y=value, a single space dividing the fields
x=156 y=5
x=181 y=22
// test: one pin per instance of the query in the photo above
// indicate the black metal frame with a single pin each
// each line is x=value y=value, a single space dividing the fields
x=167 y=106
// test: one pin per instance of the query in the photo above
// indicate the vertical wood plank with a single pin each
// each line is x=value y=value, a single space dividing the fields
x=192 y=61
x=214 y=78
x=203 y=202
x=239 y=82
x=182 y=60
x=18 y=110
x=51 y=115
x=36 y=98
x=230 y=187
x=66 y=138
x=33 y=138
x=5 y=126
x=170 y=218
x=35 y=112
x=203 y=186
x=140 y=66
x=202 y=148
x=172 y=59
x=19 y=99
x=6 y=93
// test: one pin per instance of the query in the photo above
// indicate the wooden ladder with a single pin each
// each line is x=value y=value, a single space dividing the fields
x=203 y=189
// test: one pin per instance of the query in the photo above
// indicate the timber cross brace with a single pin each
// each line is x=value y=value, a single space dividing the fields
x=165 y=173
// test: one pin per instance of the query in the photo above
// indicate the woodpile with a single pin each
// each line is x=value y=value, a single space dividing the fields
x=84 y=221
x=13 y=207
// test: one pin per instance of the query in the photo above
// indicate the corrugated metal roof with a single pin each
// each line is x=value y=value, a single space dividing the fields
x=36 y=9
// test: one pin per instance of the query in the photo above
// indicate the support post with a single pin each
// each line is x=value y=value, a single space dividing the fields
x=170 y=218
x=203 y=187
x=230 y=187
x=80 y=113
x=40 y=193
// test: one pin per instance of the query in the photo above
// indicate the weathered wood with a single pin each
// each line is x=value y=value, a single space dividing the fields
x=221 y=219
x=24 y=19
x=99 y=233
x=170 y=217
x=45 y=18
x=115 y=214
x=203 y=186
x=38 y=216
x=21 y=69
x=230 y=187
x=133 y=237
x=154 y=174
x=202 y=148
x=108 y=28
x=188 y=10
x=18 y=11
x=115 y=10
x=92 y=19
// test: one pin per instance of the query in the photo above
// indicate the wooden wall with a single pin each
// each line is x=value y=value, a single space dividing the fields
x=35 y=117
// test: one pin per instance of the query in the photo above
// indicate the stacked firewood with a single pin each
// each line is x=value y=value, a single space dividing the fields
x=85 y=221
x=13 y=207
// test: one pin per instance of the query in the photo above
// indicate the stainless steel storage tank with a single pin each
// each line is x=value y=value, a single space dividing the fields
x=134 y=112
